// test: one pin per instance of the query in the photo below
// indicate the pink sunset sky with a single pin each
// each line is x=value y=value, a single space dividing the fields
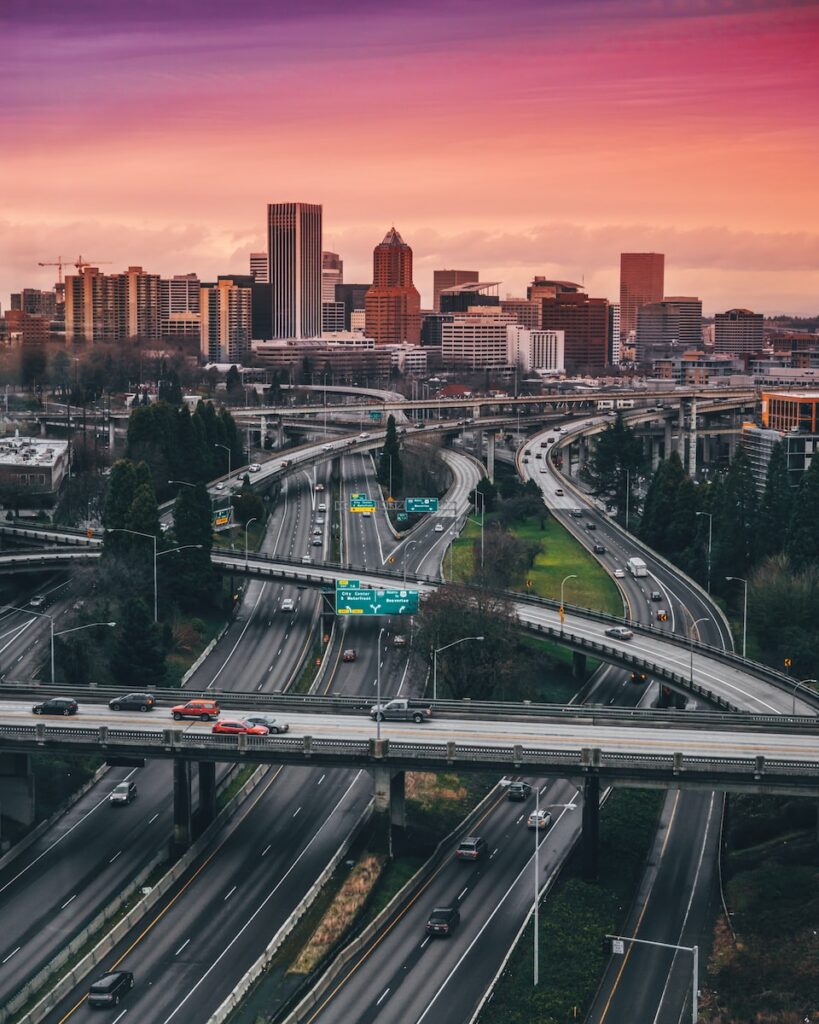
x=519 y=138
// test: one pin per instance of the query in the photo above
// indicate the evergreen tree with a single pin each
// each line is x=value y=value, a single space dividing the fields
x=803 y=532
x=120 y=494
x=615 y=463
x=391 y=452
x=776 y=506
x=143 y=516
x=233 y=380
x=735 y=524
x=188 y=575
x=170 y=390
x=139 y=657
x=489 y=492
x=659 y=504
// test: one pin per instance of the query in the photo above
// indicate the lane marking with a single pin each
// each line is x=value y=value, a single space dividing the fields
x=152 y=820
x=382 y=997
x=11 y=954
x=232 y=891
x=321 y=780
x=296 y=811
x=182 y=947
x=69 y=900
x=120 y=1016
x=111 y=861
x=463 y=892
x=266 y=850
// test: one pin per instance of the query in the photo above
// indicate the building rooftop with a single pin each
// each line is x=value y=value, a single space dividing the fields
x=393 y=238
x=31 y=451
x=811 y=396
x=470 y=286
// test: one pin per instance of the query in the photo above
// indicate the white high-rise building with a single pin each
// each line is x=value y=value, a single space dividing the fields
x=294 y=260
x=539 y=351
x=260 y=267
x=476 y=339
x=226 y=320
x=179 y=306
x=614 y=333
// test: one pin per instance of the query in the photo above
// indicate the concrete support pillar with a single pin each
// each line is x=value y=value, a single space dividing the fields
x=578 y=665
x=655 y=453
x=280 y=433
x=112 y=434
x=262 y=431
x=490 y=456
x=667 y=438
x=692 y=440
x=42 y=427
x=591 y=826
x=181 y=805
x=398 y=806
x=381 y=789
x=681 y=432
x=207 y=794
x=581 y=456
x=16 y=788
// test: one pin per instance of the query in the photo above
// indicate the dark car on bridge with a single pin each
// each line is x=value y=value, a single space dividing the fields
x=443 y=921
x=110 y=988
x=56 y=706
x=273 y=725
x=133 y=702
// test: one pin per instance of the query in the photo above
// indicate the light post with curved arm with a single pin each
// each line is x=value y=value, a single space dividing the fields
x=801 y=684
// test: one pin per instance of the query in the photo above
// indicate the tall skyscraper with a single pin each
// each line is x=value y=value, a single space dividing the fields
x=260 y=267
x=179 y=306
x=294 y=251
x=442 y=279
x=739 y=331
x=690 y=319
x=614 y=333
x=332 y=274
x=352 y=295
x=642 y=280
x=393 y=305
x=226 y=317
x=585 y=322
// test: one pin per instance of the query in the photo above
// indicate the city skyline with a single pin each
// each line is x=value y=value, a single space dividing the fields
x=605 y=127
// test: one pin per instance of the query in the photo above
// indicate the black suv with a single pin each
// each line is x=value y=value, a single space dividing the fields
x=133 y=702
x=518 y=791
x=471 y=848
x=443 y=921
x=600 y=549
x=110 y=988
x=56 y=706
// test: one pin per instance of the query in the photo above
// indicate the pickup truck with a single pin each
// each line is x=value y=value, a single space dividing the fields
x=401 y=710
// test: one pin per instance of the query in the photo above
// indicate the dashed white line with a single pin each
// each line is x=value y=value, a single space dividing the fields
x=463 y=892
x=111 y=861
x=152 y=820
x=296 y=811
x=382 y=997
x=120 y=1016
x=426 y=940
x=182 y=947
x=492 y=854
x=232 y=891
x=11 y=954
x=69 y=900
x=321 y=780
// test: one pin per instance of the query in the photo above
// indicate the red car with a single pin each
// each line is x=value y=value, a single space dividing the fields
x=349 y=654
x=238 y=725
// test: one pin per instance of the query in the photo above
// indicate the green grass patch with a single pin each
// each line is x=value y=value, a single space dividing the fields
x=310 y=670
x=192 y=634
x=560 y=555
x=224 y=797
x=574 y=920
x=772 y=890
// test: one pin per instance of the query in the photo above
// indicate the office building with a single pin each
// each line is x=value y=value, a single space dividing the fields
x=526 y=312
x=695 y=368
x=658 y=329
x=33 y=464
x=358 y=320
x=36 y=301
x=614 y=333
x=294 y=252
x=179 y=306
x=585 y=324
x=393 y=305
x=789 y=417
x=689 y=319
x=462 y=297
x=547 y=288
x=475 y=340
x=739 y=331
x=352 y=295
x=442 y=279
x=21 y=328
x=332 y=274
x=362 y=363
x=226 y=320
x=332 y=317
x=111 y=307
x=535 y=351
x=642 y=280
x=260 y=267
x=432 y=327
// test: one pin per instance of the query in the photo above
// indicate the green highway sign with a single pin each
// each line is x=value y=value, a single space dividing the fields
x=375 y=415
x=362 y=503
x=222 y=518
x=402 y=517
x=353 y=599
x=421 y=504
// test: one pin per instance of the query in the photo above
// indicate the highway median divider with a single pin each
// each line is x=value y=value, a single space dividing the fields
x=406 y=894
x=227 y=817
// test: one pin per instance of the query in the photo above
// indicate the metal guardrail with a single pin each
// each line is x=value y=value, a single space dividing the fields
x=734 y=772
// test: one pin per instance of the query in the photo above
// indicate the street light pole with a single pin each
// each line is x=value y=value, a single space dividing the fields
x=74 y=629
x=151 y=537
x=378 y=685
x=739 y=579
x=801 y=683
x=217 y=444
x=40 y=615
x=708 y=569
x=536 y=907
x=573 y=576
x=247 y=524
x=695 y=950
x=435 y=654
x=694 y=625
x=628 y=494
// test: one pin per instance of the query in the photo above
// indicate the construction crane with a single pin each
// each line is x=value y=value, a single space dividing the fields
x=79 y=263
